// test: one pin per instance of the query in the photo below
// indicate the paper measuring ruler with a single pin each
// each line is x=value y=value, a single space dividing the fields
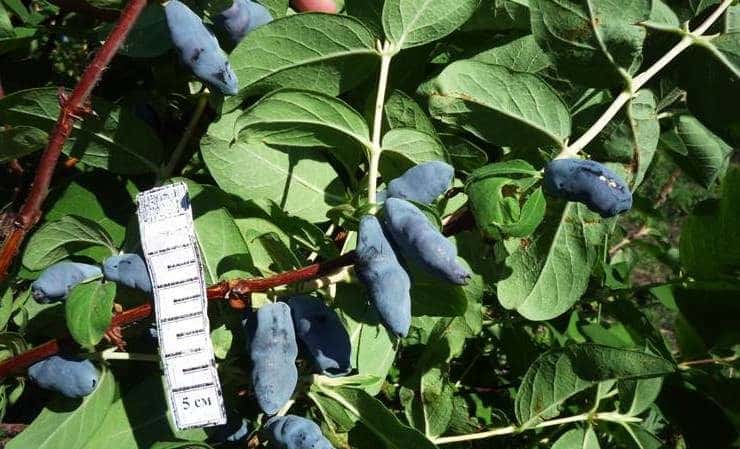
x=180 y=302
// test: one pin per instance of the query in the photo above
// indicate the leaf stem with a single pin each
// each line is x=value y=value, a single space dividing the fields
x=640 y=80
x=508 y=430
x=200 y=108
x=385 y=51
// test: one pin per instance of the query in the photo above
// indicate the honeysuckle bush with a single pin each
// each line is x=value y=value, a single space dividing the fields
x=574 y=331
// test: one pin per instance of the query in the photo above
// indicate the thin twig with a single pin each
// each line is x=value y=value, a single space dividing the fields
x=74 y=107
x=508 y=430
x=200 y=108
x=721 y=361
x=640 y=80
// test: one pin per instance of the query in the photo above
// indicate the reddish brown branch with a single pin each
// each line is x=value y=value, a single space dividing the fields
x=237 y=288
x=73 y=107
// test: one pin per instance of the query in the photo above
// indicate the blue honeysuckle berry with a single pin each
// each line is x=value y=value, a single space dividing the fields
x=294 y=432
x=322 y=334
x=387 y=282
x=588 y=182
x=242 y=17
x=273 y=351
x=199 y=49
x=56 y=281
x=422 y=243
x=74 y=378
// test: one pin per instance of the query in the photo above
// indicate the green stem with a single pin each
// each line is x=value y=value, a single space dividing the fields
x=376 y=149
x=508 y=430
x=640 y=80
x=200 y=107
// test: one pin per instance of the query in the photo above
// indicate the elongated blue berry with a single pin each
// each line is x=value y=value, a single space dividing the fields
x=294 y=432
x=198 y=48
x=56 y=281
x=71 y=377
x=590 y=183
x=422 y=183
x=234 y=431
x=387 y=283
x=242 y=17
x=129 y=270
x=422 y=243
x=323 y=335
x=273 y=351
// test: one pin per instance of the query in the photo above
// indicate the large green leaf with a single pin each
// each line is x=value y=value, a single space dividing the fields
x=301 y=182
x=409 y=23
x=594 y=42
x=578 y=439
x=294 y=118
x=436 y=393
x=401 y=111
x=59 y=239
x=561 y=373
x=550 y=271
x=20 y=141
x=705 y=155
x=378 y=419
x=69 y=423
x=405 y=147
x=719 y=59
x=114 y=140
x=321 y=52
x=89 y=310
x=527 y=112
x=709 y=244
x=137 y=419
x=520 y=55
x=373 y=349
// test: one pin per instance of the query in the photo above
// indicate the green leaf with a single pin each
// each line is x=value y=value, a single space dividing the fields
x=502 y=204
x=550 y=271
x=436 y=397
x=527 y=112
x=401 y=111
x=293 y=118
x=636 y=396
x=59 y=239
x=637 y=437
x=719 y=59
x=561 y=373
x=578 y=439
x=114 y=140
x=405 y=147
x=180 y=445
x=376 y=417
x=108 y=202
x=322 y=52
x=19 y=141
x=69 y=423
x=519 y=55
x=303 y=183
x=500 y=15
x=597 y=43
x=706 y=155
x=138 y=418
x=465 y=155
x=704 y=255
x=712 y=312
x=373 y=349
x=150 y=36
x=89 y=310
x=278 y=8
x=410 y=23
